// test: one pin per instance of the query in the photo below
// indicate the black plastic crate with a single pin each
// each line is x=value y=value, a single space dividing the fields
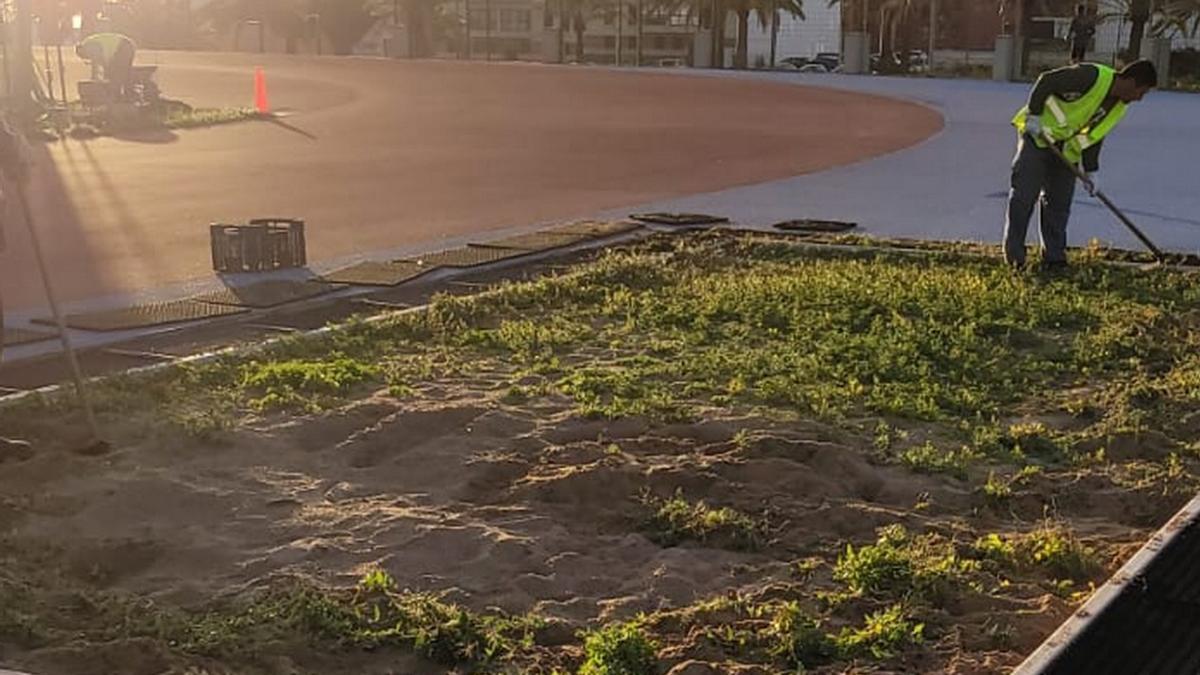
x=261 y=245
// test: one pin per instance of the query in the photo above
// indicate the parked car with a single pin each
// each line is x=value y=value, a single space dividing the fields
x=831 y=60
x=794 y=62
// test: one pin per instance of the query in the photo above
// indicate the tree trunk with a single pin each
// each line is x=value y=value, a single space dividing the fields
x=640 y=36
x=743 y=49
x=1139 y=16
x=774 y=30
x=562 y=27
x=717 y=60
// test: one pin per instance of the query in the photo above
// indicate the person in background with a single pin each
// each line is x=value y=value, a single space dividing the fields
x=1083 y=27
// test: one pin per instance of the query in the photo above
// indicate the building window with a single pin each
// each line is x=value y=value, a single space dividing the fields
x=548 y=19
x=660 y=42
x=515 y=20
x=610 y=42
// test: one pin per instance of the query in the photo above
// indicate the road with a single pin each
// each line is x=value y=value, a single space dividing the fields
x=954 y=186
x=382 y=155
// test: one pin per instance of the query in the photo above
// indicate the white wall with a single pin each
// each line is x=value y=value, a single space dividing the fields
x=819 y=32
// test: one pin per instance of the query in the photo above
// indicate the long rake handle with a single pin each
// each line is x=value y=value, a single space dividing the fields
x=76 y=373
x=1137 y=232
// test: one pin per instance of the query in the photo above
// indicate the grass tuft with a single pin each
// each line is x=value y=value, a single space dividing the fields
x=676 y=520
x=619 y=649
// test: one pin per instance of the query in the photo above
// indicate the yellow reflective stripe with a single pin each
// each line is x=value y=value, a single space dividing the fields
x=1056 y=110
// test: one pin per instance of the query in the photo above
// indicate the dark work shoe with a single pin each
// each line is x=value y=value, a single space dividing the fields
x=1055 y=266
x=14 y=450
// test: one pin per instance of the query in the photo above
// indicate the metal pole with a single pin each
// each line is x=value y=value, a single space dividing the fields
x=49 y=72
x=640 y=32
x=470 y=28
x=62 y=80
x=620 y=32
x=487 y=16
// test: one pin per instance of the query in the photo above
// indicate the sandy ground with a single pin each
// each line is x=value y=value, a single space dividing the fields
x=522 y=507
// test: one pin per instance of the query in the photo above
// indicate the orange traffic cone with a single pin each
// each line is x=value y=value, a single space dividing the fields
x=260 y=93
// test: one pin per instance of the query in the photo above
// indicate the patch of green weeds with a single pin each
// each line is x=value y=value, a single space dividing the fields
x=375 y=614
x=619 y=649
x=796 y=637
x=999 y=489
x=884 y=634
x=619 y=391
x=208 y=117
x=1049 y=548
x=902 y=565
x=676 y=520
x=299 y=383
x=929 y=458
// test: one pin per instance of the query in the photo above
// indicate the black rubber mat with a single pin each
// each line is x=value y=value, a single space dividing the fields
x=147 y=315
x=467 y=256
x=267 y=293
x=536 y=241
x=377 y=273
x=808 y=225
x=690 y=219
x=1154 y=624
x=22 y=336
x=595 y=229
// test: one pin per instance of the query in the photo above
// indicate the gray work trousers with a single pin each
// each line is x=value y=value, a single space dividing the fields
x=1037 y=175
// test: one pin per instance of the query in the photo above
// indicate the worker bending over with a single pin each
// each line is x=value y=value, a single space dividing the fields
x=113 y=53
x=1072 y=108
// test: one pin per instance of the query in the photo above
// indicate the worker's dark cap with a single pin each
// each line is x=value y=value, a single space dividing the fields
x=1142 y=72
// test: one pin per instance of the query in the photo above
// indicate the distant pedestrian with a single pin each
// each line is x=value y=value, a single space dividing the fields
x=1083 y=27
x=1072 y=108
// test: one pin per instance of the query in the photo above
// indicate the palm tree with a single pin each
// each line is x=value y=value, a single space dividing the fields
x=1165 y=16
x=763 y=10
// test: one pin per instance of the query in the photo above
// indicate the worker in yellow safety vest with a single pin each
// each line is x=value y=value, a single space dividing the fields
x=1072 y=108
x=113 y=53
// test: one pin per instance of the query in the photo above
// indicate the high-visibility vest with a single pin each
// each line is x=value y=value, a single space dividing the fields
x=1070 y=122
x=106 y=44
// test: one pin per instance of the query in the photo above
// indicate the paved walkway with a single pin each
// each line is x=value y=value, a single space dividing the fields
x=382 y=154
x=954 y=185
